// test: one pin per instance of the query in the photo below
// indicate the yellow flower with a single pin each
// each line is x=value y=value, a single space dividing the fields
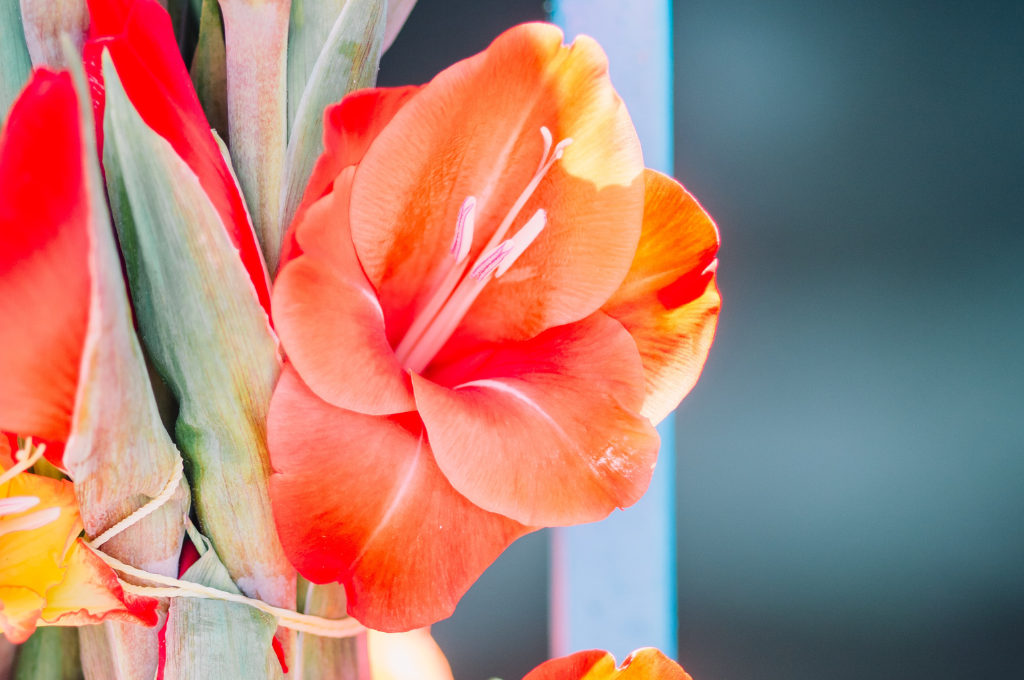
x=47 y=573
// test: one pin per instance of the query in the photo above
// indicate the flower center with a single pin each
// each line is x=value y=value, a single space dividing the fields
x=450 y=301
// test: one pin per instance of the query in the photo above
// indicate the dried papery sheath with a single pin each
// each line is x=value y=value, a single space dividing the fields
x=46 y=21
x=208 y=337
x=256 y=43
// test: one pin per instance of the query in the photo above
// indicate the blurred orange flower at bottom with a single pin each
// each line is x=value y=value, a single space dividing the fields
x=643 y=664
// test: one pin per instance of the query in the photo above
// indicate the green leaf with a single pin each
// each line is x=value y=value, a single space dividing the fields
x=309 y=26
x=209 y=68
x=50 y=654
x=321 y=658
x=15 y=64
x=119 y=453
x=216 y=639
x=348 y=61
x=398 y=12
x=208 y=337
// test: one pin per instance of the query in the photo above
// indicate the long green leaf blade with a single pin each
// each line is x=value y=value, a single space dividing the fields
x=119 y=454
x=208 y=337
x=348 y=61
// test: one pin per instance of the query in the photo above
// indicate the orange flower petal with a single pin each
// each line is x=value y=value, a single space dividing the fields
x=643 y=664
x=359 y=499
x=406 y=656
x=44 y=268
x=545 y=431
x=6 y=454
x=90 y=593
x=328 y=318
x=669 y=302
x=349 y=128
x=475 y=131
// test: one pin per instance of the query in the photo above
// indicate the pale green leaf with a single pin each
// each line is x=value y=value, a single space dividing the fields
x=348 y=61
x=50 y=654
x=209 y=68
x=308 y=27
x=119 y=453
x=208 y=337
x=15 y=64
x=215 y=639
x=321 y=658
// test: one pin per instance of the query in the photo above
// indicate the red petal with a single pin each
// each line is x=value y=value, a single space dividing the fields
x=141 y=41
x=44 y=259
x=359 y=499
x=669 y=302
x=329 y=320
x=349 y=128
x=544 y=431
x=643 y=664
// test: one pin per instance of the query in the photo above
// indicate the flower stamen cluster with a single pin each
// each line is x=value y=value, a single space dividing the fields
x=445 y=309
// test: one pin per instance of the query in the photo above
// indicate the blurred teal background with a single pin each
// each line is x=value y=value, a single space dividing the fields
x=851 y=465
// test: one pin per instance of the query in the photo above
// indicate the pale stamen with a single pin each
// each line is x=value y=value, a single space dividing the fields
x=522 y=240
x=439 y=318
x=492 y=260
x=36 y=520
x=548 y=141
x=16 y=504
x=463 y=240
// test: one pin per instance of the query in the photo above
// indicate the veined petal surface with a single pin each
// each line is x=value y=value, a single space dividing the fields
x=475 y=130
x=359 y=499
x=547 y=431
x=329 y=319
x=350 y=126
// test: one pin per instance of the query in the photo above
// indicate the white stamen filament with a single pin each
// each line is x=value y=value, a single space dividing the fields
x=463 y=240
x=26 y=458
x=439 y=318
x=492 y=260
x=35 y=520
x=522 y=240
x=16 y=504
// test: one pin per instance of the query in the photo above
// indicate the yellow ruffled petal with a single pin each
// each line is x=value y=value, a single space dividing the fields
x=90 y=593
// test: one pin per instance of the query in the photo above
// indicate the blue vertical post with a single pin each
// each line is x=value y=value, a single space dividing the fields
x=613 y=583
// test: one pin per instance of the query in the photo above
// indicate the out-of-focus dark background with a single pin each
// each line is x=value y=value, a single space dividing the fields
x=851 y=465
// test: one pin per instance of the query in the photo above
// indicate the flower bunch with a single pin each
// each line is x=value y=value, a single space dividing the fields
x=289 y=360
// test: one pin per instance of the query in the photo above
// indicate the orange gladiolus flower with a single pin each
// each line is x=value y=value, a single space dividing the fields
x=643 y=664
x=485 y=303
